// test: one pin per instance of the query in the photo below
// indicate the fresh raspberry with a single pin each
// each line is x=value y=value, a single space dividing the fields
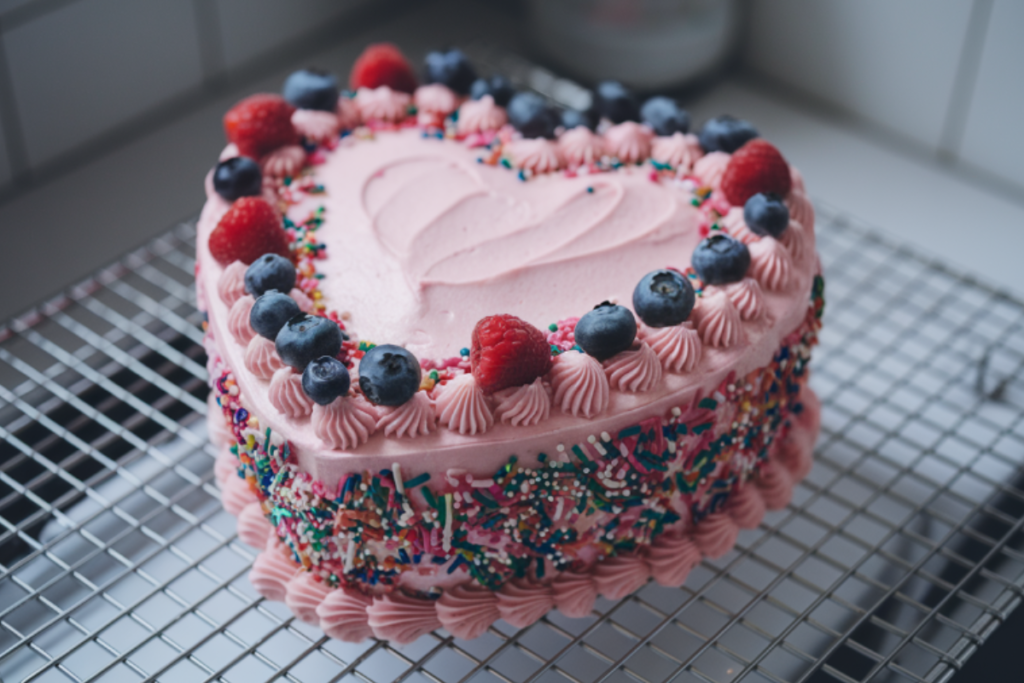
x=260 y=124
x=755 y=167
x=382 y=64
x=250 y=229
x=507 y=352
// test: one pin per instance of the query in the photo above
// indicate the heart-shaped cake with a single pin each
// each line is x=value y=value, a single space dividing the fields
x=474 y=357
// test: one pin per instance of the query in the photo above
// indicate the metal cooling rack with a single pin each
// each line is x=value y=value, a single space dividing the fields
x=899 y=554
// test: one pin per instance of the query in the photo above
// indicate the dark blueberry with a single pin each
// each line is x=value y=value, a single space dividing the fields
x=325 y=379
x=389 y=375
x=270 y=271
x=606 y=330
x=665 y=116
x=270 y=312
x=532 y=116
x=616 y=102
x=573 y=118
x=663 y=298
x=312 y=89
x=725 y=134
x=497 y=86
x=451 y=68
x=720 y=259
x=306 y=337
x=238 y=177
x=766 y=214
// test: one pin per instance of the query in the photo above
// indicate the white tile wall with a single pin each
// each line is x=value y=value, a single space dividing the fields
x=993 y=138
x=86 y=67
x=892 y=62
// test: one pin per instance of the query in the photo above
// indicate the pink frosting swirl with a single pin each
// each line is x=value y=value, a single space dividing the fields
x=261 y=358
x=436 y=99
x=678 y=347
x=574 y=594
x=524 y=406
x=672 y=558
x=746 y=506
x=580 y=385
x=710 y=167
x=316 y=126
x=775 y=485
x=286 y=394
x=225 y=466
x=230 y=151
x=716 y=534
x=680 y=151
x=616 y=577
x=283 y=162
x=238 y=320
x=480 y=116
x=272 y=571
x=236 y=494
x=536 y=155
x=382 y=104
x=467 y=612
x=796 y=454
x=747 y=297
x=343 y=615
x=401 y=619
x=348 y=113
x=800 y=209
x=415 y=417
x=303 y=595
x=580 y=146
x=634 y=370
x=736 y=226
x=216 y=424
x=629 y=142
x=304 y=302
x=253 y=527
x=231 y=285
x=463 y=406
x=797 y=179
x=717 y=319
x=796 y=239
x=771 y=264
x=522 y=603
x=346 y=423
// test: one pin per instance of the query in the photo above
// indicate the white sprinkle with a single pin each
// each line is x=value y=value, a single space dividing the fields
x=592 y=439
x=605 y=436
x=350 y=553
x=676 y=412
x=600 y=449
x=446 y=542
x=560 y=448
x=558 y=509
x=396 y=469
x=482 y=483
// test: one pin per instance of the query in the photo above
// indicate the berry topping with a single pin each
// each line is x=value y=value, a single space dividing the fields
x=306 y=337
x=497 y=86
x=725 y=134
x=616 y=102
x=720 y=259
x=260 y=124
x=451 y=68
x=766 y=214
x=382 y=64
x=507 y=352
x=325 y=379
x=665 y=116
x=389 y=375
x=270 y=312
x=312 y=89
x=606 y=330
x=663 y=298
x=237 y=177
x=755 y=167
x=270 y=271
x=531 y=115
x=574 y=118
x=249 y=229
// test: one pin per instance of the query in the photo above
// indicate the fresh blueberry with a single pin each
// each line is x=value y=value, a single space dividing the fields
x=766 y=214
x=306 y=337
x=573 y=118
x=720 y=259
x=606 y=330
x=325 y=379
x=389 y=375
x=451 y=68
x=663 y=298
x=531 y=115
x=665 y=116
x=616 y=102
x=497 y=86
x=270 y=312
x=725 y=134
x=238 y=177
x=312 y=89
x=270 y=271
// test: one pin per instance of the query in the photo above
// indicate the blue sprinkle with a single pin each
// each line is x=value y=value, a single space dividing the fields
x=463 y=352
x=590 y=190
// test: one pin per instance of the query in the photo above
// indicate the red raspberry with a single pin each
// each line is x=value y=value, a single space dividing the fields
x=260 y=124
x=250 y=229
x=507 y=352
x=382 y=64
x=755 y=167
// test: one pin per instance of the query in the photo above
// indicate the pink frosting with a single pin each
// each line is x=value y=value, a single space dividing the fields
x=580 y=146
x=283 y=162
x=796 y=239
x=463 y=406
x=345 y=423
x=436 y=99
x=229 y=152
x=716 y=534
x=800 y=209
x=218 y=432
x=343 y=615
x=316 y=126
x=771 y=264
x=304 y=302
x=536 y=155
x=225 y=466
x=231 y=285
x=303 y=595
x=574 y=594
x=467 y=612
x=522 y=603
x=678 y=347
x=618 y=576
x=635 y=370
x=797 y=179
x=236 y=495
x=796 y=454
x=680 y=151
x=238 y=320
x=746 y=506
x=527 y=405
x=272 y=571
x=261 y=358
x=400 y=619
x=287 y=396
x=710 y=167
x=348 y=113
x=480 y=116
x=629 y=141
x=671 y=558
x=415 y=417
x=775 y=485
x=717 y=319
x=253 y=527
x=747 y=297
x=382 y=104
x=580 y=385
x=736 y=226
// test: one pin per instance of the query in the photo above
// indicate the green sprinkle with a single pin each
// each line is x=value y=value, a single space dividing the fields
x=553 y=327
x=695 y=201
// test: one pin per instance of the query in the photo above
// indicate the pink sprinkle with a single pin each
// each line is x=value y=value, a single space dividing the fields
x=653 y=176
